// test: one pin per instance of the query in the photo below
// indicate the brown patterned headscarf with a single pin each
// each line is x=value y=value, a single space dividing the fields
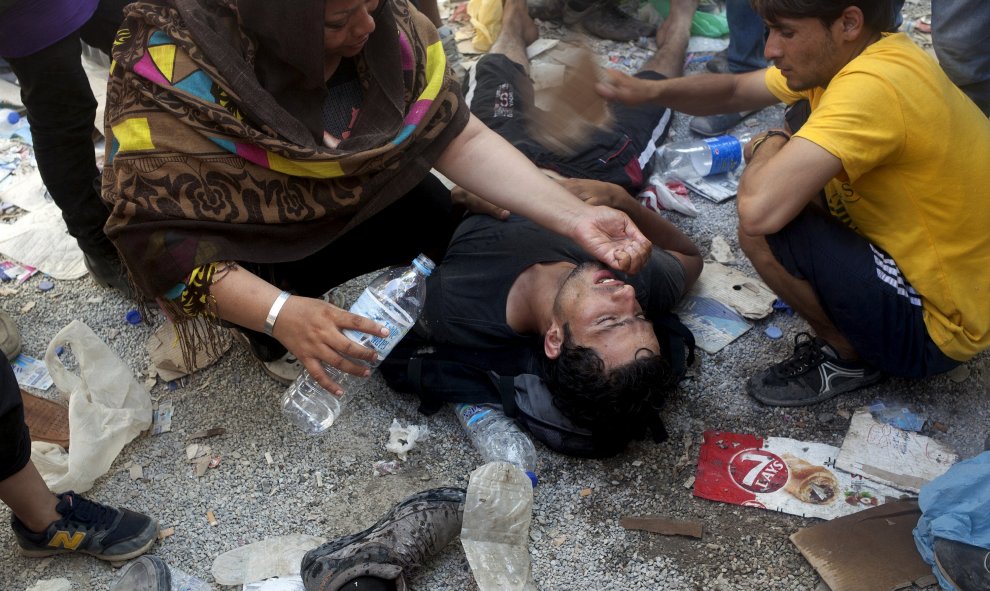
x=214 y=134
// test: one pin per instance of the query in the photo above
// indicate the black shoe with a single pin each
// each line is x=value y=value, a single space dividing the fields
x=604 y=19
x=108 y=272
x=813 y=374
x=415 y=529
x=547 y=10
x=148 y=573
x=966 y=567
x=719 y=64
x=91 y=528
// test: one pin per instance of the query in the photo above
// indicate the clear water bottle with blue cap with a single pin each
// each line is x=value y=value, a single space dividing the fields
x=692 y=159
x=394 y=299
x=10 y=121
x=497 y=437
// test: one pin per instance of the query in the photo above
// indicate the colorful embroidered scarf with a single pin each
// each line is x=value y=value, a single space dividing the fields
x=214 y=135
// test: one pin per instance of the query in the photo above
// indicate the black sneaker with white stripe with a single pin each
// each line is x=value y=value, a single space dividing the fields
x=813 y=374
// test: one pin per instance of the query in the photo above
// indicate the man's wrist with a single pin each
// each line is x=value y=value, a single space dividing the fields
x=762 y=139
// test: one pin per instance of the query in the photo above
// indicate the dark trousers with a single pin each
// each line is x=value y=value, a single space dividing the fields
x=15 y=441
x=60 y=109
x=422 y=221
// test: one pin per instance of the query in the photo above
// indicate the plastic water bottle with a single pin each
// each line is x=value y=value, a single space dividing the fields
x=692 y=159
x=394 y=299
x=497 y=437
x=10 y=121
x=183 y=581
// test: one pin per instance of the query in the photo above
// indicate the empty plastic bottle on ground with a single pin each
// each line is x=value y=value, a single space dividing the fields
x=394 y=299
x=10 y=120
x=498 y=437
x=691 y=159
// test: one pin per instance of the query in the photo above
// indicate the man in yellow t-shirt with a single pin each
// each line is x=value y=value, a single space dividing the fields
x=871 y=220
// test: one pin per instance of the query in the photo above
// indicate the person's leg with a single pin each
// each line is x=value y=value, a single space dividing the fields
x=746 y=37
x=961 y=38
x=518 y=32
x=672 y=39
x=101 y=29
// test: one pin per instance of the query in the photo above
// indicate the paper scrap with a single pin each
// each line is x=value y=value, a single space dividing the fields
x=211 y=518
x=161 y=418
x=40 y=239
x=31 y=372
x=662 y=525
x=895 y=457
x=401 y=440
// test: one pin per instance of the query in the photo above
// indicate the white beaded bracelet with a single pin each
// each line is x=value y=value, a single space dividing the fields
x=274 y=310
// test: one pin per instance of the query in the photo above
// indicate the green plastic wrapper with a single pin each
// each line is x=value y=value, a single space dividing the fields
x=704 y=24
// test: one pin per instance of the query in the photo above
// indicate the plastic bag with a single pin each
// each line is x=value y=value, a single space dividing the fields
x=107 y=409
x=271 y=557
x=486 y=18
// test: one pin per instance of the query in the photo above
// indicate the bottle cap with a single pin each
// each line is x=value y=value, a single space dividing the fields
x=134 y=317
x=424 y=264
x=533 y=478
x=13 y=117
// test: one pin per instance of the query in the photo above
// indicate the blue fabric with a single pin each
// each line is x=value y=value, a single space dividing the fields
x=746 y=37
x=961 y=38
x=955 y=506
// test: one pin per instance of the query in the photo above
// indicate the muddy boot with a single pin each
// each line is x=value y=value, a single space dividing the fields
x=604 y=19
x=966 y=567
x=381 y=556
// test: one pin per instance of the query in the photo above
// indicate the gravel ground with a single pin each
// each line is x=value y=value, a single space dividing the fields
x=576 y=541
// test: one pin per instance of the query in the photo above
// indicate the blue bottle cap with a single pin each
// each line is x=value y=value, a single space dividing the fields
x=773 y=332
x=134 y=317
x=533 y=478
x=46 y=285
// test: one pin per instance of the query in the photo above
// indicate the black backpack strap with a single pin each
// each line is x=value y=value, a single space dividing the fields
x=507 y=389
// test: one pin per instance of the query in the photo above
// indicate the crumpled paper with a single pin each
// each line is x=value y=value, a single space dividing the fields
x=40 y=239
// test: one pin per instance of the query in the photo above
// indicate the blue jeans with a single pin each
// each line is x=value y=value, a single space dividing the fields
x=961 y=37
x=746 y=37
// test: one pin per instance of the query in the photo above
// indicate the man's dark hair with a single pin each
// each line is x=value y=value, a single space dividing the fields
x=878 y=15
x=614 y=404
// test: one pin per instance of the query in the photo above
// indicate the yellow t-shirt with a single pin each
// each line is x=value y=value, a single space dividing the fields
x=915 y=155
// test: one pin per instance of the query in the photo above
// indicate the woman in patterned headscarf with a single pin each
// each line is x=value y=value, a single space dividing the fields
x=256 y=146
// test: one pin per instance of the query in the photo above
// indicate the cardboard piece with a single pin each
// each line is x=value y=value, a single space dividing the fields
x=872 y=550
x=781 y=474
x=661 y=525
x=166 y=354
x=895 y=457
x=749 y=296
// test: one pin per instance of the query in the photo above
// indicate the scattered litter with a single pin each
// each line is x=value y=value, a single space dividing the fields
x=689 y=483
x=166 y=533
x=214 y=461
x=558 y=541
x=662 y=196
x=923 y=24
x=664 y=526
x=59 y=584
x=46 y=285
x=403 y=439
x=27 y=307
x=166 y=355
x=211 y=518
x=95 y=300
x=721 y=251
x=215 y=431
x=174 y=385
x=684 y=459
x=319 y=479
x=783 y=306
x=385 y=467
x=133 y=317
x=293 y=583
x=7 y=291
x=892 y=456
x=781 y=474
x=873 y=549
x=161 y=418
x=773 y=332
x=585 y=492
x=31 y=372
x=11 y=271
x=749 y=296
x=959 y=373
x=897 y=415
x=136 y=472
x=268 y=458
x=713 y=324
x=194 y=451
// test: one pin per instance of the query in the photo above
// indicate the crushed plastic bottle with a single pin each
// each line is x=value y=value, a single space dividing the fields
x=272 y=557
x=498 y=509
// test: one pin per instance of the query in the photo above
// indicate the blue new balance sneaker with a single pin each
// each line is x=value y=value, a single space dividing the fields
x=91 y=528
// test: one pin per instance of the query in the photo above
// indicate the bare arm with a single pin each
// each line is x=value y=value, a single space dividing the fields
x=308 y=327
x=704 y=94
x=661 y=232
x=780 y=179
x=483 y=163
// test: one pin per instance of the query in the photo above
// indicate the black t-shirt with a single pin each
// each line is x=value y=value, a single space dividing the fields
x=467 y=292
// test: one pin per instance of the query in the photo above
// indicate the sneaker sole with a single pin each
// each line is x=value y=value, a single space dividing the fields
x=43 y=553
x=809 y=401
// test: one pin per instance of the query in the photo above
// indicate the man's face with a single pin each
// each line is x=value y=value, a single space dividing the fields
x=603 y=314
x=805 y=51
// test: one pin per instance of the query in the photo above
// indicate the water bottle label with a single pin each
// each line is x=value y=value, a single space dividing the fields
x=726 y=153
x=387 y=313
x=472 y=413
